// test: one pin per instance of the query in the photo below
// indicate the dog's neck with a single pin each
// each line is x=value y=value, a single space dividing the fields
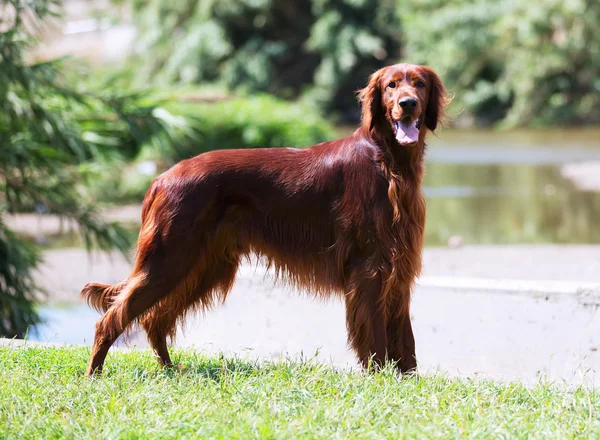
x=402 y=161
x=403 y=167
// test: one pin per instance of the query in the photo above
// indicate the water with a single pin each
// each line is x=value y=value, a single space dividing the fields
x=68 y=323
x=72 y=324
x=505 y=188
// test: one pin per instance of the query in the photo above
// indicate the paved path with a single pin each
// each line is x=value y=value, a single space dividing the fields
x=496 y=335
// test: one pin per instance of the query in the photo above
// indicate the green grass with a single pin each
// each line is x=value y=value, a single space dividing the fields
x=43 y=394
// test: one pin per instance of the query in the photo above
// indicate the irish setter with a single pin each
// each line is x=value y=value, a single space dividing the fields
x=344 y=217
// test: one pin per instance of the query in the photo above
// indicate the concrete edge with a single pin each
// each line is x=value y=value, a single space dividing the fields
x=13 y=342
x=585 y=293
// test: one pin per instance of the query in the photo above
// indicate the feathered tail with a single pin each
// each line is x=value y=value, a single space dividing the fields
x=99 y=296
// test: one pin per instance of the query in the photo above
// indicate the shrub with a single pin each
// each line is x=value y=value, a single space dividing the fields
x=281 y=47
x=515 y=63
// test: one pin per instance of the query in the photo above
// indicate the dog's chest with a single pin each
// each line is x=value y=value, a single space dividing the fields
x=393 y=211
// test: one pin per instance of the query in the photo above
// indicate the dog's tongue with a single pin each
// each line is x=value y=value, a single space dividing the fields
x=407 y=132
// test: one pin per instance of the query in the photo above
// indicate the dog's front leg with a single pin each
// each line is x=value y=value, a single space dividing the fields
x=401 y=341
x=365 y=318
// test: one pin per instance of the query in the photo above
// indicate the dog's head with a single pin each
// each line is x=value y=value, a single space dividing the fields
x=403 y=99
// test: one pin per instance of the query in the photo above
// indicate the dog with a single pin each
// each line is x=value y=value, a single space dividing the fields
x=344 y=218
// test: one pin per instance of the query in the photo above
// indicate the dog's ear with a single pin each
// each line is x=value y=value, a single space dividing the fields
x=370 y=99
x=438 y=100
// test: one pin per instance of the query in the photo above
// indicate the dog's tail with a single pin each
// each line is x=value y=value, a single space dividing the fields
x=100 y=296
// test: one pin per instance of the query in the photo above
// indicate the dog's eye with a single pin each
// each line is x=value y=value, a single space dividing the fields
x=420 y=84
x=392 y=85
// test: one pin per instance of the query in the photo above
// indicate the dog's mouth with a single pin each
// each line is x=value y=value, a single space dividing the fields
x=407 y=130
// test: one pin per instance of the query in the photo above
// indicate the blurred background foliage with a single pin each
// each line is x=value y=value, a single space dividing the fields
x=326 y=48
x=511 y=62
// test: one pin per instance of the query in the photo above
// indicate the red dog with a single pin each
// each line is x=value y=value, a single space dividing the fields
x=345 y=216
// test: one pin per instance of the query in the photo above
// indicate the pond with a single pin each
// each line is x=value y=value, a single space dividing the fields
x=72 y=324
x=66 y=323
x=494 y=187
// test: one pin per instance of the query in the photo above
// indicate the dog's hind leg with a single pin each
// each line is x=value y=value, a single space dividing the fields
x=159 y=271
x=160 y=323
x=139 y=295
x=158 y=329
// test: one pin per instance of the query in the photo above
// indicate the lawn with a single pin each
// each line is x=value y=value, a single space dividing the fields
x=43 y=394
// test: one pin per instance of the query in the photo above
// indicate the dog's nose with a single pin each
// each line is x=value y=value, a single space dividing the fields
x=408 y=103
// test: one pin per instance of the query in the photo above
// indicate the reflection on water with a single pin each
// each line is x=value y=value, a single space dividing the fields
x=494 y=187
x=71 y=324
